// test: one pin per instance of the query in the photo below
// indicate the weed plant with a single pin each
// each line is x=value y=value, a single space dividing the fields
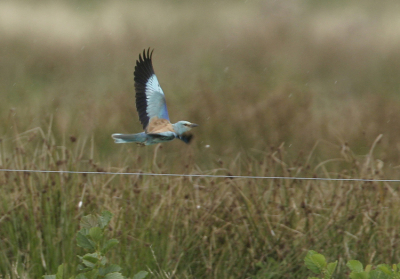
x=317 y=263
x=95 y=264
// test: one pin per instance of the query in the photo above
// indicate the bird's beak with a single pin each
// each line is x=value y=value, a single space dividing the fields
x=193 y=125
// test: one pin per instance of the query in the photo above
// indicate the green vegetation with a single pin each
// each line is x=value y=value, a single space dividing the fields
x=279 y=88
x=317 y=264
x=95 y=264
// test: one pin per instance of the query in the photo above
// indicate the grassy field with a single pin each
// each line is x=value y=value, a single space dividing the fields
x=279 y=88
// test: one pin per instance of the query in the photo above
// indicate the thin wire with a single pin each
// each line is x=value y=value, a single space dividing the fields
x=203 y=175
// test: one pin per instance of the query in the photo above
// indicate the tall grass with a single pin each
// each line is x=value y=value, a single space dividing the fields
x=294 y=89
x=196 y=227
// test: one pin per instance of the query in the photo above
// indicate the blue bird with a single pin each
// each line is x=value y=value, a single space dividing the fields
x=152 y=109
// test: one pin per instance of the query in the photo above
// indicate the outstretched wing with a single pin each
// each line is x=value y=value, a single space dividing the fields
x=150 y=99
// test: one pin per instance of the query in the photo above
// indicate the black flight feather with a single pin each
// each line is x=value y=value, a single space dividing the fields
x=143 y=71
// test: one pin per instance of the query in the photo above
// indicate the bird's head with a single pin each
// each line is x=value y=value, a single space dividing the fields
x=181 y=127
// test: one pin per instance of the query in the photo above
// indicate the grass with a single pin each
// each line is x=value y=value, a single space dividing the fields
x=278 y=89
x=196 y=227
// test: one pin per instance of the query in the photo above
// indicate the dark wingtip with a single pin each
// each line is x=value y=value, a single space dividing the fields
x=186 y=138
x=149 y=53
x=145 y=56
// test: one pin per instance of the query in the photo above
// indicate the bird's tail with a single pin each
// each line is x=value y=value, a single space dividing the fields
x=124 y=138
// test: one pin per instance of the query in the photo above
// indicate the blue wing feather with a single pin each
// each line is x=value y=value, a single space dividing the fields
x=150 y=99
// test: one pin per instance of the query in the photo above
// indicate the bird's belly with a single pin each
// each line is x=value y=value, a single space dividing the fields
x=157 y=139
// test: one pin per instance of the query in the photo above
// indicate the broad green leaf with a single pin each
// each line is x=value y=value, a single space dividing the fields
x=89 y=222
x=311 y=252
x=108 y=245
x=142 y=274
x=377 y=274
x=96 y=234
x=60 y=272
x=109 y=269
x=84 y=242
x=93 y=258
x=84 y=231
x=385 y=269
x=359 y=275
x=80 y=276
x=59 y=275
x=315 y=262
x=355 y=266
x=91 y=263
x=319 y=260
x=368 y=268
x=81 y=267
x=104 y=219
x=114 y=275
x=327 y=275
x=91 y=274
x=104 y=261
x=330 y=269
x=309 y=262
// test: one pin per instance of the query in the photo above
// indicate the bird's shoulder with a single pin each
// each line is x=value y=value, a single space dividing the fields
x=159 y=125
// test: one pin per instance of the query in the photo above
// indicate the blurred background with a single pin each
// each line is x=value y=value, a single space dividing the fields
x=253 y=74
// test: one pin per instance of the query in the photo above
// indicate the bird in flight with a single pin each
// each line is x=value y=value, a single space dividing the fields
x=152 y=109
